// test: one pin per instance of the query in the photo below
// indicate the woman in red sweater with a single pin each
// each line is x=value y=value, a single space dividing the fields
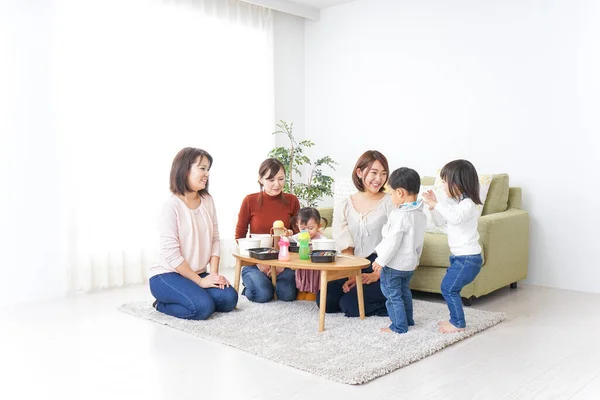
x=259 y=211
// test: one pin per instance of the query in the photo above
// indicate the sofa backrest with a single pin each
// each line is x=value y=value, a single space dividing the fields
x=497 y=197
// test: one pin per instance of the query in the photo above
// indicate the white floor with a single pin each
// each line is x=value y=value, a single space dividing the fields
x=83 y=348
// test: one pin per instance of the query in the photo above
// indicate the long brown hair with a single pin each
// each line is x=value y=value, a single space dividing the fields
x=365 y=162
x=180 y=170
x=462 y=179
x=270 y=166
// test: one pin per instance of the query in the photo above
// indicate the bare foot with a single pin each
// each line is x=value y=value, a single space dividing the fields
x=386 y=330
x=447 y=327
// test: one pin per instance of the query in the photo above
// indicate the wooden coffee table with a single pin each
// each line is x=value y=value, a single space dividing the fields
x=343 y=266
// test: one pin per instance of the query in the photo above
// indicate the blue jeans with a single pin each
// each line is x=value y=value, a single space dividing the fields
x=461 y=272
x=179 y=297
x=259 y=288
x=347 y=303
x=395 y=286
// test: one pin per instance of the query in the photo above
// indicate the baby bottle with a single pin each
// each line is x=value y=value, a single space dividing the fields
x=284 y=249
x=304 y=250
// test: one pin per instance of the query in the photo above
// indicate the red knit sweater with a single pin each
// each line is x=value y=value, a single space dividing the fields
x=260 y=217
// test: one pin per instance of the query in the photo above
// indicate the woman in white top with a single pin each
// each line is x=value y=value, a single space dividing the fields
x=357 y=227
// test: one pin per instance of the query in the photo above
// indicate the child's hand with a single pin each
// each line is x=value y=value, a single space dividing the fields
x=376 y=267
x=430 y=199
x=290 y=232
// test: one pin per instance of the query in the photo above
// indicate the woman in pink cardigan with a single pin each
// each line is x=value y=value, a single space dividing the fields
x=189 y=242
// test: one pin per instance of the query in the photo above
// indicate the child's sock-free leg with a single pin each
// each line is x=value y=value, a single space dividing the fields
x=391 y=286
x=461 y=272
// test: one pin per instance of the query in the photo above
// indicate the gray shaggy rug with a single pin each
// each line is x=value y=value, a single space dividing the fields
x=349 y=350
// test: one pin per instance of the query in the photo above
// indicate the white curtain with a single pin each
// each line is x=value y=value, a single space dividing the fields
x=136 y=81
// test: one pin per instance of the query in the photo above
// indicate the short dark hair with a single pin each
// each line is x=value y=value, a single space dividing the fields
x=407 y=179
x=365 y=162
x=270 y=166
x=307 y=213
x=461 y=177
x=180 y=169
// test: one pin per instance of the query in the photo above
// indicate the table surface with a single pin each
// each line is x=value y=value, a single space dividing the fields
x=341 y=263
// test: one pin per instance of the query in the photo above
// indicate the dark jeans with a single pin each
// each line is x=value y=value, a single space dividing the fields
x=259 y=288
x=395 y=286
x=347 y=303
x=179 y=297
x=461 y=272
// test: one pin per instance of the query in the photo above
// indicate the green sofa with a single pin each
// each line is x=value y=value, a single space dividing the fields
x=504 y=236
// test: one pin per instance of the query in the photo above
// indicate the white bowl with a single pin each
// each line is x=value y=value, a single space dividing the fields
x=323 y=244
x=266 y=240
x=247 y=243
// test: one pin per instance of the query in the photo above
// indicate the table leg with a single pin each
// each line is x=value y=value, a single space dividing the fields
x=238 y=272
x=360 y=295
x=323 y=300
x=274 y=280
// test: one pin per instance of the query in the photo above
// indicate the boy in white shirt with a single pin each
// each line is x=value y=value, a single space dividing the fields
x=400 y=249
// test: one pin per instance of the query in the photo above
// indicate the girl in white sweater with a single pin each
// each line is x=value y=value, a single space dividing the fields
x=461 y=184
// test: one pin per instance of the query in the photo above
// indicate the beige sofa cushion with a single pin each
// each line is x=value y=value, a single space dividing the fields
x=497 y=198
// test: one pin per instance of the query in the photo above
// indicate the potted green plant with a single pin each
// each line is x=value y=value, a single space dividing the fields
x=318 y=185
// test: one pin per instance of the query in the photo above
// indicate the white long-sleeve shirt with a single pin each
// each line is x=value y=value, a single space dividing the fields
x=190 y=235
x=360 y=231
x=462 y=218
x=403 y=237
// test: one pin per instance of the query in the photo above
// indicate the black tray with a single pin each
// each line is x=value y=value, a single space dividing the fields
x=318 y=256
x=260 y=253
x=294 y=246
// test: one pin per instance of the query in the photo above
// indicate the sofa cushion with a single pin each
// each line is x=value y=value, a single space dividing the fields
x=497 y=198
x=436 y=252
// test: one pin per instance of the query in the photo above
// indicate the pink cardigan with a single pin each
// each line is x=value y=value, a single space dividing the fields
x=190 y=235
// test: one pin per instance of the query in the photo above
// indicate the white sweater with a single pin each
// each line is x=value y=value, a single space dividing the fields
x=462 y=218
x=403 y=237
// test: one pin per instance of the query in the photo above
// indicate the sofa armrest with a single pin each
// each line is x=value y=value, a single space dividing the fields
x=505 y=238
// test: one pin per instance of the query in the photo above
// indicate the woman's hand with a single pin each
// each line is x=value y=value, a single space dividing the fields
x=430 y=199
x=265 y=269
x=278 y=270
x=349 y=251
x=376 y=267
x=370 y=278
x=214 y=281
x=349 y=284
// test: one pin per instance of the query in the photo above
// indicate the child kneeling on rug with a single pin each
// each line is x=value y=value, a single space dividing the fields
x=307 y=281
x=400 y=249
x=461 y=185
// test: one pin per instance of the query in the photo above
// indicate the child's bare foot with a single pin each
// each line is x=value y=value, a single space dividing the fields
x=447 y=327
x=386 y=330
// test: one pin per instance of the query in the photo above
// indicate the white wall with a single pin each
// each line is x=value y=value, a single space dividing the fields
x=511 y=85
x=288 y=32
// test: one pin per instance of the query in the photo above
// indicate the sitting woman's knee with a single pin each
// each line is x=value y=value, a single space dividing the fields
x=260 y=294
x=204 y=311
x=230 y=299
x=287 y=294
